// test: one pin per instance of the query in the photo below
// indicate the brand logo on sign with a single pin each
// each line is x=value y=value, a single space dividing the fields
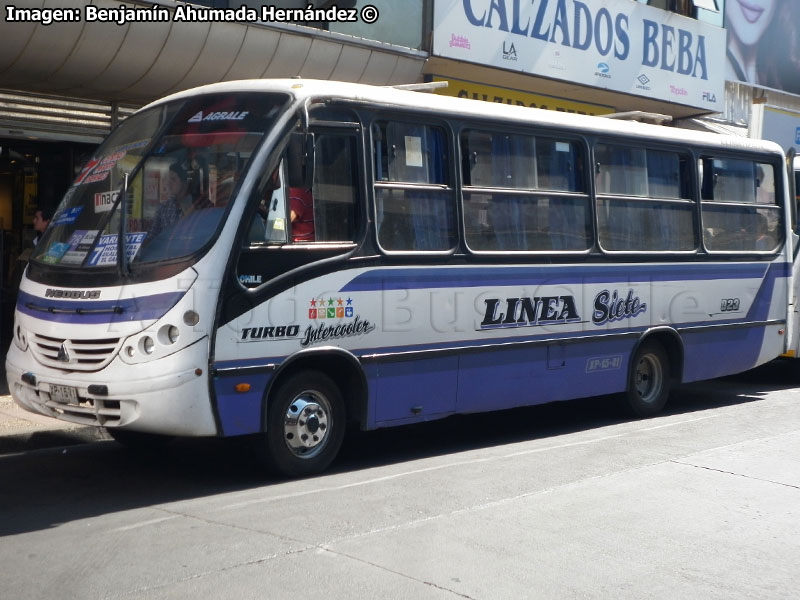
x=643 y=81
x=218 y=116
x=610 y=307
x=603 y=70
x=709 y=97
x=509 y=52
x=556 y=63
x=459 y=41
x=529 y=312
x=678 y=91
x=104 y=201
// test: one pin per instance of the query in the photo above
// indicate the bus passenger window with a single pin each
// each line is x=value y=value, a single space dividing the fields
x=524 y=193
x=414 y=206
x=740 y=210
x=645 y=200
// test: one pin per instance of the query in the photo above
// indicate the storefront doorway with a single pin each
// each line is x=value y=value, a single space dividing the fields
x=33 y=175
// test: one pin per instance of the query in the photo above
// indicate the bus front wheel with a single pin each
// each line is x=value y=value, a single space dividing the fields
x=649 y=380
x=305 y=425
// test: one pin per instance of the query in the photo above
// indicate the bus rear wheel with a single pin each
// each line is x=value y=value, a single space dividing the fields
x=305 y=425
x=649 y=380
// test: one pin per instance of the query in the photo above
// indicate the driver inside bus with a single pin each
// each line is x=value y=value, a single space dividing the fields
x=170 y=210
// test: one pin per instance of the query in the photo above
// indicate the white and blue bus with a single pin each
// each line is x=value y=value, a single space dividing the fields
x=284 y=258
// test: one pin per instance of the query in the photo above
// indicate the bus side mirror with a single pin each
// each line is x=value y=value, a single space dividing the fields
x=301 y=160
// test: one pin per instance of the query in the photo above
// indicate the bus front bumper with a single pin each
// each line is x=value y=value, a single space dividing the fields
x=136 y=397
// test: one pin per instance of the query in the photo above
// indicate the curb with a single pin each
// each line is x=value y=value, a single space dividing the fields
x=23 y=431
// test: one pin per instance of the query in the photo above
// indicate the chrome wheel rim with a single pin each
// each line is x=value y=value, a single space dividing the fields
x=648 y=378
x=306 y=424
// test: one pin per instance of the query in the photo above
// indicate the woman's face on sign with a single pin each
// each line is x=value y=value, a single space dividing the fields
x=748 y=19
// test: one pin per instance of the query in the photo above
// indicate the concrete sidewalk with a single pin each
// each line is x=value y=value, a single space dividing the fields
x=22 y=431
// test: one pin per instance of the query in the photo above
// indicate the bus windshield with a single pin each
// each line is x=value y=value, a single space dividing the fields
x=183 y=161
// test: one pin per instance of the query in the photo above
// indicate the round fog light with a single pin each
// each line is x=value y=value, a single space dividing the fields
x=148 y=345
x=173 y=334
x=191 y=318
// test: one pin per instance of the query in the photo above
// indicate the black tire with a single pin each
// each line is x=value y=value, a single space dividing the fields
x=294 y=446
x=649 y=380
x=139 y=441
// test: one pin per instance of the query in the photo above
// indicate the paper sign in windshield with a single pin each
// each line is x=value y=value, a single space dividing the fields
x=68 y=217
x=79 y=245
x=55 y=252
x=104 y=201
x=105 y=252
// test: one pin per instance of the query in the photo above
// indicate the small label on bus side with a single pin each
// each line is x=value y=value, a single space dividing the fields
x=603 y=363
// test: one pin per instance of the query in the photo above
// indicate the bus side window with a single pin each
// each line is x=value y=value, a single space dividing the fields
x=521 y=193
x=645 y=201
x=740 y=210
x=414 y=205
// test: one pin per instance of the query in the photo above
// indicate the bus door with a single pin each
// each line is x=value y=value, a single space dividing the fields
x=310 y=210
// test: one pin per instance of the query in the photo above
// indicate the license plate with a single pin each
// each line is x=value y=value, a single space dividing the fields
x=64 y=394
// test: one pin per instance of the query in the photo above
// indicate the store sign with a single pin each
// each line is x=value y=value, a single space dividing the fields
x=489 y=93
x=782 y=127
x=617 y=45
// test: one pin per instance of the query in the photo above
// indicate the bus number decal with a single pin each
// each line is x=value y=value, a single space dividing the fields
x=729 y=305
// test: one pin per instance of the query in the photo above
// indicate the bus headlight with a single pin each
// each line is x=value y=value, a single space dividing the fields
x=168 y=335
x=147 y=345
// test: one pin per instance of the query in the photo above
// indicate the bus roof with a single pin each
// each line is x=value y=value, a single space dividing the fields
x=301 y=89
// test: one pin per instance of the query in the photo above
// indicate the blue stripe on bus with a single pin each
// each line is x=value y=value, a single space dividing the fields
x=450 y=277
x=143 y=308
x=759 y=311
x=501 y=378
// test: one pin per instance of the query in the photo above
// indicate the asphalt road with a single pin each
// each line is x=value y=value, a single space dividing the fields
x=560 y=501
